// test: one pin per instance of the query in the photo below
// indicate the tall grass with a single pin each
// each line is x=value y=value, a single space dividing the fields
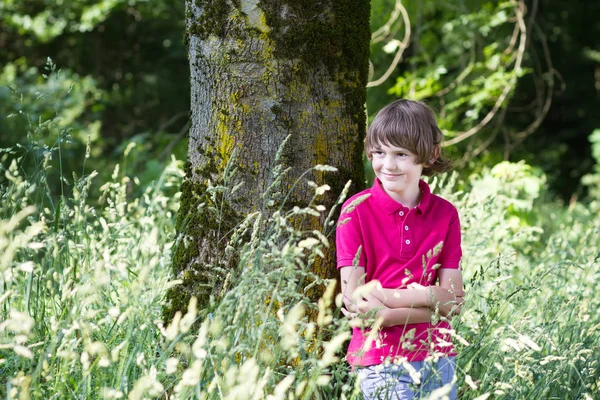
x=83 y=281
x=530 y=319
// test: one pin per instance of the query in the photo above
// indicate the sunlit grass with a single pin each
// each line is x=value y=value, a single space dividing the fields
x=83 y=283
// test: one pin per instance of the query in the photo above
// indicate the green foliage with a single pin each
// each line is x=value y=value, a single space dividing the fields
x=84 y=282
x=52 y=120
x=529 y=320
x=463 y=61
x=81 y=285
x=83 y=289
x=54 y=18
x=127 y=65
x=85 y=268
x=48 y=112
x=505 y=80
x=50 y=93
x=458 y=58
x=592 y=181
x=514 y=187
x=570 y=32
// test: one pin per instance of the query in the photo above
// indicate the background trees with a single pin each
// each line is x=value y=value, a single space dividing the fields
x=86 y=259
x=537 y=57
x=130 y=62
x=127 y=63
x=508 y=78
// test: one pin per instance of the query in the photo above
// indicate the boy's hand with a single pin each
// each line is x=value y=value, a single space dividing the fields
x=448 y=302
x=378 y=293
x=363 y=305
x=349 y=309
x=369 y=303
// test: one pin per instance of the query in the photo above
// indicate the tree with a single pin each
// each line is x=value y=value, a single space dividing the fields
x=262 y=71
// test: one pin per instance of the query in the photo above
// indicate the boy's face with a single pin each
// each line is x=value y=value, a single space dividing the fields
x=398 y=172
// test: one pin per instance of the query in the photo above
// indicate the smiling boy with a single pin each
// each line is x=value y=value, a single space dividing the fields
x=408 y=241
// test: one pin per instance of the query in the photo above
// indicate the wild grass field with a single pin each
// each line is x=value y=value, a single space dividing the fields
x=83 y=280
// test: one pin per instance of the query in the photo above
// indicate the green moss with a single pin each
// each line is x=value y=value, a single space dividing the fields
x=335 y=35
x=226 y=141
x=196 y=224
x=213 y=19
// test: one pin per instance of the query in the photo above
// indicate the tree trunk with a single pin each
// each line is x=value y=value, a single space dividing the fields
x=260 y=71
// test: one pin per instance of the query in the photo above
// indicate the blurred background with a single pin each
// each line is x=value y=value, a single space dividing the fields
x=510 y=81
x=86 y=260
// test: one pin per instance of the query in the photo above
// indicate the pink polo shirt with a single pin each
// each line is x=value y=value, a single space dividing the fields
x=395 y=242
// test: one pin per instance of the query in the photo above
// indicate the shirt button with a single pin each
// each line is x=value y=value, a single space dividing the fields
x=406 y=227
x=401 y=213
x=407 y=241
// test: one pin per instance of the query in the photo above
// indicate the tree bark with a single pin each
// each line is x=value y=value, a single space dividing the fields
x=260 y=71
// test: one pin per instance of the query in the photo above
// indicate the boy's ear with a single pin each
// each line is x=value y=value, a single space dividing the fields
x=436 y=154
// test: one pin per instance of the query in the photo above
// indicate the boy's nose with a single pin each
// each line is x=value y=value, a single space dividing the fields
x=389 y=163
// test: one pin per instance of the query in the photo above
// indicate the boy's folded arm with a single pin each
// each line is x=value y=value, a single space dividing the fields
x=404 y=316
x=351 y=277
x=403 y=298
x=450 y=288
x=451 y=279
x=390 y=316
x=404 y=306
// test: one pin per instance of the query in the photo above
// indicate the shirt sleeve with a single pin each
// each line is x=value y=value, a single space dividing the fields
x=451 y=251
x=349 y=240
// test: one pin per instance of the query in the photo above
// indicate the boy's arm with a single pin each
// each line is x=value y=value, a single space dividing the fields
x=447 y=297
x=404 y=316
x=403 y=298
x=352 y=278
x=451 y=280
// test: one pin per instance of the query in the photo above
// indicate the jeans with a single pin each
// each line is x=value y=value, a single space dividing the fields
x=394 y=382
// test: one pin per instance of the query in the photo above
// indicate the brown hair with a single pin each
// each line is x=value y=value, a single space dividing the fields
x=411 y=125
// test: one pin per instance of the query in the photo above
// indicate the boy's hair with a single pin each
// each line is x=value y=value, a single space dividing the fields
x=411 y=125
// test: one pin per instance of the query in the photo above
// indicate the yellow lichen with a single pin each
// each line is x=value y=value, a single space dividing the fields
x=255 y=16
x=226 y=141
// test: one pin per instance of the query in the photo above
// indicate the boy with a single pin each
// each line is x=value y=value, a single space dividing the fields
x=398 y=230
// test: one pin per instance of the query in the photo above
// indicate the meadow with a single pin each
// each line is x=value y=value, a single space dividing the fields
x=83 y=281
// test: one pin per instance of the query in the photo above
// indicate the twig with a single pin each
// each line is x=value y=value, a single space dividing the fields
x=513 y=40
x=401 y=47
x=382 y=32
x=461 y=77
x=535 y=124
x=507 y=88
x=171 y=120
x=167 y=150
x=469 y=155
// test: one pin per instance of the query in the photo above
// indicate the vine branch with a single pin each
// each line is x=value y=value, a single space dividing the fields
x=509 y=86
x=401 y=46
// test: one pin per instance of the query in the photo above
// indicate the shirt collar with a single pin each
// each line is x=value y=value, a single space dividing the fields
x=391 y=206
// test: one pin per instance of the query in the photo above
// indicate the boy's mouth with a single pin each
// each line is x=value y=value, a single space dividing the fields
x=390 y=176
